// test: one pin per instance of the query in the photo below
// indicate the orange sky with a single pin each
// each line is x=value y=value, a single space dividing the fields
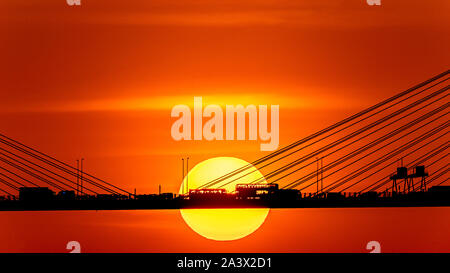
x=98 y=81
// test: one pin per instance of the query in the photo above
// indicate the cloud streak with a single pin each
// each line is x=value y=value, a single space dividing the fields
x=165 y=103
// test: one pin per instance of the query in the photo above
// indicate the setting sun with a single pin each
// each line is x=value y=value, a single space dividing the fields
x=222 y=224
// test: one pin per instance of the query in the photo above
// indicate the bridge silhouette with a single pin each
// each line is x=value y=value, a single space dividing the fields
x=391 y=154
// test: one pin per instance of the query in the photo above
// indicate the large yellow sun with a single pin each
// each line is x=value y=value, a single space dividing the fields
x=222 y=224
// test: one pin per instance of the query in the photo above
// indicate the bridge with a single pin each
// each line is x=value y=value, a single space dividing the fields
x=391 y=154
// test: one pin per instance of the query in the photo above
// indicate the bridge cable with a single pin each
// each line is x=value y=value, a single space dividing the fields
x=380 y=160
x=59 y=164
x=331 y=145
x=385 y=137
x=54 y=173
x=330 y=128
x=412 y=164
x=395 y=152
x=59 y=167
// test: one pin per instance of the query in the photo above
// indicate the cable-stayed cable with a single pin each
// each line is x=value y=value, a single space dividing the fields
x=347 y=137
x=12 y=179
x=429 y=165
x=367 y=146
x=389 y=164
x=41 y=167
x=9 y=184
x=60 y=167
x=386 y=157
x=438 y=175
x=32 y=169
x=382 y=159
x=59 y=164
x=19 y=176
x=32 y=174
x=330 y=128
x=413 y=164
x=312 y=155
x=8 y=193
